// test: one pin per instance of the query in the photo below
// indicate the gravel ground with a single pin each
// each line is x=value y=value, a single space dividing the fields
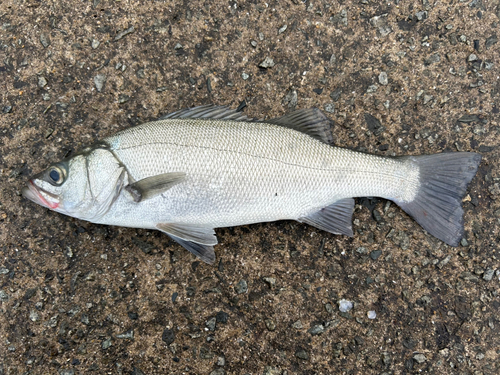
x=398 y=78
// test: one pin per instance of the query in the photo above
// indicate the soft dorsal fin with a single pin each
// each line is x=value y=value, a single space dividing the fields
x=150 y=187
x=335 y=218
x=209 y=111
x=310 y=121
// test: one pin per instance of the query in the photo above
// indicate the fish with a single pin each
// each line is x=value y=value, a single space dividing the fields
x=198 y=169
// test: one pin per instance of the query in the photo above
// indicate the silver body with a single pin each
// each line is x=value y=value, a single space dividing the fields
x=242 y=172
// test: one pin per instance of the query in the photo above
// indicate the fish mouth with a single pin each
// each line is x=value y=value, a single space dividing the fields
x=36 y=194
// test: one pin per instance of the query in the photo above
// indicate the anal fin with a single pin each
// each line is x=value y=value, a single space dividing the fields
x=335 y=218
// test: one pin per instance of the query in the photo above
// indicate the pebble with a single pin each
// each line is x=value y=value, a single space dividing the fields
x=95 y=43
x=106 y=344
x=168 y=336
x=345 y=305
x=371 y=89
x=270 y=324
x=282 y=29
x=302 y=354
x=329 y=107
x=42 y=82
x=271 y=281
x=218 y=371
x=245 y=76
x=316 y=330
x=472 y=57
x=241 y=287
x=382 y=78
x=271 y=370
x=124 y=32
x=297 y=325
x=253 y=43
x=375 y=254
x=211 y=323
x=178 y=46
x=221 y=317
x=3 y=296
x=267 y=63
x=488 y=274
x=380 y=22
x=45 y=40
x=99 y=81
x=420 y=358
x=126 y=335
x=372 y=314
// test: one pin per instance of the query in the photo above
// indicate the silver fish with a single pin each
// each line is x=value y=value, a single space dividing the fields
x=208 y=167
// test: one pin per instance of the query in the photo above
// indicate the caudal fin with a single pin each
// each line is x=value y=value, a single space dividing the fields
x=443 y=182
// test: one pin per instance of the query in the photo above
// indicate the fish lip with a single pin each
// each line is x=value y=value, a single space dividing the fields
x=33 y=193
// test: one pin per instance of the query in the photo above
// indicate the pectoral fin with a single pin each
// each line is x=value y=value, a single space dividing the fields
x=199 y=240
x=150 y=187
x=336 y=218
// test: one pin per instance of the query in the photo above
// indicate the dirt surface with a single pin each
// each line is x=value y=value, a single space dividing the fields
x=398 y=78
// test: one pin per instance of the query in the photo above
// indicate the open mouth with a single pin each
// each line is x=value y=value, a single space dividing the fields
x=35 y=194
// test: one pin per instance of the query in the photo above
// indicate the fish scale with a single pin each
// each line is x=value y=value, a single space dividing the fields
x=207 y=167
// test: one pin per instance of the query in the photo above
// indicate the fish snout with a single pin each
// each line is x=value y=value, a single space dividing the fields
x=39 y=196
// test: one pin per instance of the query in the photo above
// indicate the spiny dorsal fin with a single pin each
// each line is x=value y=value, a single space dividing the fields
x=335 y=218
x=208 y=111
x=310 y=121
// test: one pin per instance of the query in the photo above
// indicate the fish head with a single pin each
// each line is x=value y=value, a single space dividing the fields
x=83 y=186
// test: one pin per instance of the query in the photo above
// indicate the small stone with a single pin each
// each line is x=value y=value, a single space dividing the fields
x=218 y=371
x=241 y=287
x=420 y=358
x=267 y=63
x=488 y=274
x=4 y=271
x=122 y=98
x=126 y=335
x=168 y=336
x=345 y=305
x=316 y=330
x=45 y=40
x=371 y=89
x=221 y=317
x=270 y=324
x=422 y=15
x=221 y=361
x=271 y=370
x=245 y=76
x=271 y=281
x=178 y=46
x=34 y=316
x=211 y=323
x=382 y=78
x=301 y=354
x=123 y=33
x=291 y=99
x=253 y=43
x=464 y=242
x=7 y=109
x=432 y=59
x=42 y=82
x=472 y=57
x=372 y=314
x=380 y=22
x=95 y=43
x=106 y=344
x=282 y=29
x=375 y=254
x=100 y=81
x=444 y=262
x=297 y=325
x=329 y=107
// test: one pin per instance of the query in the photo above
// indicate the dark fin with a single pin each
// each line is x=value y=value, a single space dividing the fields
x=335 y=218
x=443 y=182
x=310 y=121
x=150 y=187
x=208 y=112
x=204 y=252
x=194 y=233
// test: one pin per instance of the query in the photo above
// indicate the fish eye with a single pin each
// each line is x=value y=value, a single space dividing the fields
x=56 y=175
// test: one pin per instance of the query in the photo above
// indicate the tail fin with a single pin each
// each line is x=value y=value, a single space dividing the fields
x=443 y=182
